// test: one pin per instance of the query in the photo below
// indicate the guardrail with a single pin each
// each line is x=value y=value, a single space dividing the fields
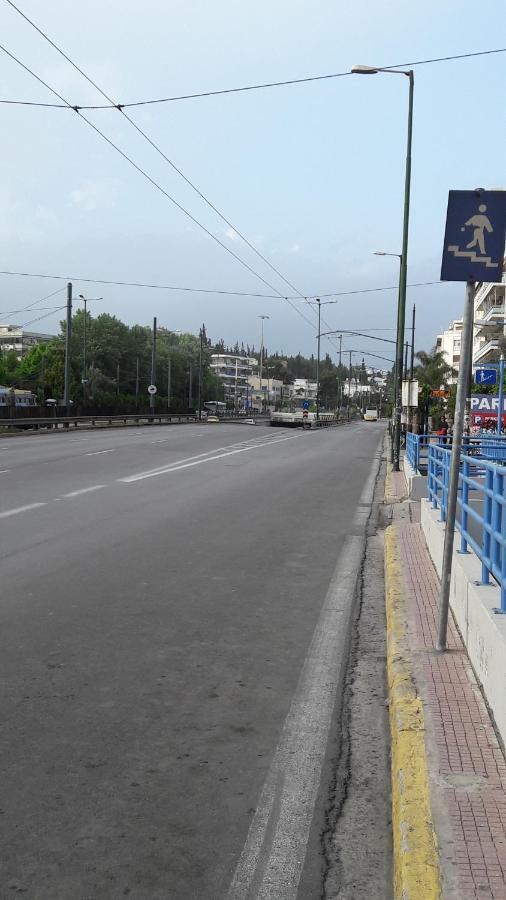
x=100 y=421
x=488 y=480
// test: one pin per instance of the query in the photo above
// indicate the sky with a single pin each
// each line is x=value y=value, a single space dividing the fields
x=312 y=174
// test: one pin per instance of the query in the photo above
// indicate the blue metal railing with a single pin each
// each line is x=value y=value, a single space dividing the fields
x=484 y=444
x=488 y=479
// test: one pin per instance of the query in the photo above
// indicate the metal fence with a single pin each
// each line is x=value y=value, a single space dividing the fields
x=485 y=513
x=483 y=444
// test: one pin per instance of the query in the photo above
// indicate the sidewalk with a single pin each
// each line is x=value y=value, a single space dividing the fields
x=465 y=768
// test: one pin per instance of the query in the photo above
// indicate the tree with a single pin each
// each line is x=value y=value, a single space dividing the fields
x=432 y=373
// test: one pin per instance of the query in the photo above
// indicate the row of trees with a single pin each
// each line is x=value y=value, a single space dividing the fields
x=111 y=367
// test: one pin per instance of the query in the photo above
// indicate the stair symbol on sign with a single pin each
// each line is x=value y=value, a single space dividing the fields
x=474 y=257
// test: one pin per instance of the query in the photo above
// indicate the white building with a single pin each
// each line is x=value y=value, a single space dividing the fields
x=234 y=372
x=449 y=344
x=490 y=313
x=304 y=389
x=14 y=337
x=269 y=393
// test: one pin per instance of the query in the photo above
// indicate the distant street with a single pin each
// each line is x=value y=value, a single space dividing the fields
x=175 y=609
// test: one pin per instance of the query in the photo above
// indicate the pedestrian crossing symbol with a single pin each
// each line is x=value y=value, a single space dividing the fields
x=474 y=237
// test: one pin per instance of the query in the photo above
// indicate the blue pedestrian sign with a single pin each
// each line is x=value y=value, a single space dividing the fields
x=474 y=237
x=485 y=376
x=305 y=405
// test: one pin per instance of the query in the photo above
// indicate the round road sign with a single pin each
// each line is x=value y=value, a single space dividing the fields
x=152 y=389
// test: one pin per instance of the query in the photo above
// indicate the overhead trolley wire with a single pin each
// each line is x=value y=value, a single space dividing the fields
x=151 y=180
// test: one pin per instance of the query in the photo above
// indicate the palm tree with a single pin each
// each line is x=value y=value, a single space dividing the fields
x=432 y=373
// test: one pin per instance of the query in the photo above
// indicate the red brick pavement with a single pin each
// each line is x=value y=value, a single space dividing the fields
x=467 y=767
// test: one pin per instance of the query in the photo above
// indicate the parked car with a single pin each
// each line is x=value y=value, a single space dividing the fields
x=213 y=419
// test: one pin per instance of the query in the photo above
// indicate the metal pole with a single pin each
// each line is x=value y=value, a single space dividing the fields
x=340 y=348
x=68 y=339
x=501 y=394
x=137 y=378
x=190 y=398
x=413 y=343
x=153 y=366
x=200 y=376
x=318 y=367
x=117 y=380
x=458 y=427
x=169 y=374
x=349 y=387
x=85 y=384
x=406 y=347
x=401 y=314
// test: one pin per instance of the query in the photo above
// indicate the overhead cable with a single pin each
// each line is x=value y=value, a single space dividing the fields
x=249 y=87
x=152 y=181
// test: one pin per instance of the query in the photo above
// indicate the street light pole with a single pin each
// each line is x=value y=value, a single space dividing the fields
x=262 y=358
x=68 y=345
x=318 y=367
x=401 y=308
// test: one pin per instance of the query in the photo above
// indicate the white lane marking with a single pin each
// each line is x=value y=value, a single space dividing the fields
x=97 y=452
x=272 y=861
x=20 y=509
x=3 y=471
x=187 y=464
x=95 y=487
x=186 y=459
x=77 y=440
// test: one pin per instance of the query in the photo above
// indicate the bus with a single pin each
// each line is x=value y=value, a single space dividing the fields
x=371 y=415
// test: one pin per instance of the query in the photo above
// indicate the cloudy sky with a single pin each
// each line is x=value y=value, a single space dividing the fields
x=312 y=174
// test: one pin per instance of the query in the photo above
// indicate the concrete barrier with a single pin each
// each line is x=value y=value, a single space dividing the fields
x=417 y=484
x=483 y=631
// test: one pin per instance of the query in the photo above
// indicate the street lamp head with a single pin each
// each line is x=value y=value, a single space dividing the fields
x=364 y=70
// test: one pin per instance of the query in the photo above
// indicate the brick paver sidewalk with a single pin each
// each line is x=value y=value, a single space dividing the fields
x=467 y=769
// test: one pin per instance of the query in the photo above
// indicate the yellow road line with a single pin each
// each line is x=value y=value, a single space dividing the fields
x=416 y=863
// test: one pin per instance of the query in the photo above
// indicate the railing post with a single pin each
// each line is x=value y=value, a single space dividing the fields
x=487 y=521
x=496 y=521
x=445 y=458
x=465 y=501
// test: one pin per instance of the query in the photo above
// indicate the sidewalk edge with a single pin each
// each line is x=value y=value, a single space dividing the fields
x=416 y=862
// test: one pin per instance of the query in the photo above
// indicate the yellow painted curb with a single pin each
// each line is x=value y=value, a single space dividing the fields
x=416 y=863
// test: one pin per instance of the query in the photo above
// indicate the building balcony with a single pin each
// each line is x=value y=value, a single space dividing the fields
x=487 y=352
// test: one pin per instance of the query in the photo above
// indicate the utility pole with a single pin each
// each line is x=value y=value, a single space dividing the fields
x=318 y=365
x=349 y=388
x=413 y=343
x=169 y=374
x=68 y=338
x=43 y=377
x=190 y=398
x=85 y=380
x=153 y=366
x=406 y=346
x=201 y=336
x=117 y=380
x=137 y=378
x=262 y=358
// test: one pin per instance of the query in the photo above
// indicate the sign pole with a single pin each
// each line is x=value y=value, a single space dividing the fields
x=501 y=394
x=458 y=428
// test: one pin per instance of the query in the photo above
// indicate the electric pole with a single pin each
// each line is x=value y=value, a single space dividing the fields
x=169 y=374
x=153 y=366
x=201 y=336
x=137 y=378
x=68 y=338
x=190 y=398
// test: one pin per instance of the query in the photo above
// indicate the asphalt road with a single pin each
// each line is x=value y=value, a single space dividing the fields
x=175 y=614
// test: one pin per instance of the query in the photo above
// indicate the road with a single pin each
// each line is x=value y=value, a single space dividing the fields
x=175 y=617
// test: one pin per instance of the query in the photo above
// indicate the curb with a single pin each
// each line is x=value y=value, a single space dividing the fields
x=415 y=856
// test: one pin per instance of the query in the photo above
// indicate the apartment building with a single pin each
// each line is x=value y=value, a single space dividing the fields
x=14 y=337
x=489 y=318
x=234 y=372
x=449 y=344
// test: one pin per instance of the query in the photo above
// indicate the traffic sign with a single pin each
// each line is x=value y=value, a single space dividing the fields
x=439 y=393
x=305 y=405
x=474 y=236
x=305 y=414
x=152 y=389
x=485 y=376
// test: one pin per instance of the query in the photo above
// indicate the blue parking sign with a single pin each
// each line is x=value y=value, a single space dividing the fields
x=474 y=236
